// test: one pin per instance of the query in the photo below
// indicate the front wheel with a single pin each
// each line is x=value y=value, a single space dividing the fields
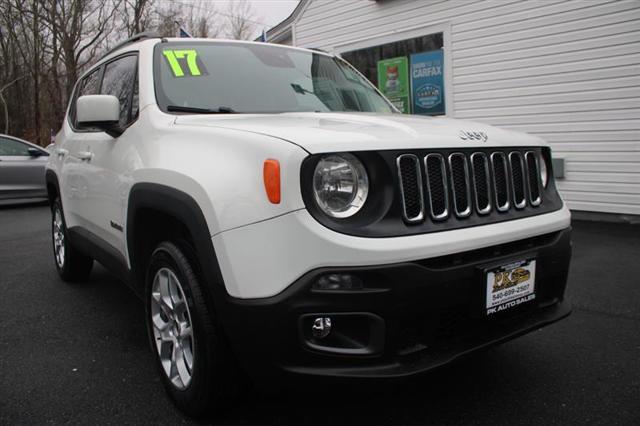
x=194 y=361
x=70 y=263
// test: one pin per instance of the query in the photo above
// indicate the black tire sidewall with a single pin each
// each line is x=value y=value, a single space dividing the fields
x=199 y=396
x=65 y=270
x=77 y=266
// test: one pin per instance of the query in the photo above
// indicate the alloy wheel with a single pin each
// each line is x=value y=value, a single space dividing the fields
x=58 y=238
x=172 y=328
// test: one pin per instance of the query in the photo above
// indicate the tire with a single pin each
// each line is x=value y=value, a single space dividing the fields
x=203 y=379
x=71 y=264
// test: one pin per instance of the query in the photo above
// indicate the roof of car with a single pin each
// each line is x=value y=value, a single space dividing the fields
x=142 y=37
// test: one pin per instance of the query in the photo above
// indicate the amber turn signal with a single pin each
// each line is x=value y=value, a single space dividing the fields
x=271 y=176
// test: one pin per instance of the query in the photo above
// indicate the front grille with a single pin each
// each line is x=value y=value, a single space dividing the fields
x=467 y=184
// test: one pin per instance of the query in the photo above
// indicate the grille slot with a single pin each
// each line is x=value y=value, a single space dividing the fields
x=460 y=184
x=500 y=181
x=437 y=186
x=518 y=179
x=533 y=174
x=480 y=172
x=411 y=188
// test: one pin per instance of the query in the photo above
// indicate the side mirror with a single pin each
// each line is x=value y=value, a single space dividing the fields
x=99 y=111
x=35 y=152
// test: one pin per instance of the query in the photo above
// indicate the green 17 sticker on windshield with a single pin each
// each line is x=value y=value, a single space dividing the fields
x=177 y=68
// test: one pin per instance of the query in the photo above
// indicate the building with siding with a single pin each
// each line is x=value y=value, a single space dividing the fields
x=568 y=71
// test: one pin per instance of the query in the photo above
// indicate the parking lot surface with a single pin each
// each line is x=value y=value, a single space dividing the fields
x=78 y=353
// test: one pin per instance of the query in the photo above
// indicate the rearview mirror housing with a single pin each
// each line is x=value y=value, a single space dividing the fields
x=99 y=111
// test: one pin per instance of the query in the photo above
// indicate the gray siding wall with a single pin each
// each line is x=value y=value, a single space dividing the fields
x=568 y=71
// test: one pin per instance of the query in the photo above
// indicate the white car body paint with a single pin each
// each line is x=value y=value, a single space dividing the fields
x=218 y=160
x=283 y=249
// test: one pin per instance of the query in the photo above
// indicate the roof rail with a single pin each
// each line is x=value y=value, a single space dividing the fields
x=317 y=49
x=133 y=39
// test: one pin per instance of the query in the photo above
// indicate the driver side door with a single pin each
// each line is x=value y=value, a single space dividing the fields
x=104 y=157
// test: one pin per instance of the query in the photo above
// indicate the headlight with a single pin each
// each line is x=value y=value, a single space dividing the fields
x=544 y=172
x=340 y=185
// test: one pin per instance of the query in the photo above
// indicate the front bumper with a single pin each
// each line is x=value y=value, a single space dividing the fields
x=263 y=259
x=416 y=315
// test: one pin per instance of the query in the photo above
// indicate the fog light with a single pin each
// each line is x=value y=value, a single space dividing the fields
x=338 y=282
x=321 y=327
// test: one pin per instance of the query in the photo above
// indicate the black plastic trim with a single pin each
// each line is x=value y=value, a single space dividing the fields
x=186 y=210
x=101 y=251
x=51 y=179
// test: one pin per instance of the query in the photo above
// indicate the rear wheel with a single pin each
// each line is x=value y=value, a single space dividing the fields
x=70 y=263
x=195 y=364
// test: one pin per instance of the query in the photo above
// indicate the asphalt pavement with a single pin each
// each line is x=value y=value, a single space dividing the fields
x=78 y=353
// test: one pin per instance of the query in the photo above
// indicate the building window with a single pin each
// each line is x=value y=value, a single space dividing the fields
x=409 y=72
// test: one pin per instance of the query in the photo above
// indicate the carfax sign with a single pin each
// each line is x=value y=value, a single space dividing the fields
x=427 y=83
x=393 y=81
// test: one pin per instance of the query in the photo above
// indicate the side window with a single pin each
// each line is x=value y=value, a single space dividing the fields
x=120 y=80
x=90 y=85
x=13 y=148
x=135 y=102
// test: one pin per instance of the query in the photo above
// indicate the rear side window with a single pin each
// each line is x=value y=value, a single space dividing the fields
x=120 y=80
x=13 y=148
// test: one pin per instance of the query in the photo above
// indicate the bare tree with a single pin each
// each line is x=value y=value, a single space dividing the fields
x=4 y=102
x=200 y=18
x=27 y=38
x=240 y=20
x=136 y=15
x=45 y=45
x=80 y=27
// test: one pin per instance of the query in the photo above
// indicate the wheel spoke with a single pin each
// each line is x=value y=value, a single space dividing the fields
x=187 y=348
x=163 y=281
x=159 y=323
x=185 y=330
x=58 y=238
x=183 y=371
x=179 y=307
x=174 y=374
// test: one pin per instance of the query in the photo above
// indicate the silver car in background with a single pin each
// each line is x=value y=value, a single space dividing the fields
x=21 y=170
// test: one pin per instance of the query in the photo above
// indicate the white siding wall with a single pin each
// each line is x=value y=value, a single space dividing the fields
x=568 y=71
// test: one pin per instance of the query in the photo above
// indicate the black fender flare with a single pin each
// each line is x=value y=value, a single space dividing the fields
x=51 y=179
x=186 y=210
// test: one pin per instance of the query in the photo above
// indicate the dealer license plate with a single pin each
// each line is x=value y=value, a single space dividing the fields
x=510 y=285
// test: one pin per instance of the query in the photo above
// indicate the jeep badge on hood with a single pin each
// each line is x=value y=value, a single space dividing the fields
x=471 y=136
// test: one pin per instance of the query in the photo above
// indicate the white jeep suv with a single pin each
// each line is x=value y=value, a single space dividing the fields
x=281 y=219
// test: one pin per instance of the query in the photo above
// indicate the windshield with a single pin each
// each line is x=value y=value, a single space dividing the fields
x=257 y=78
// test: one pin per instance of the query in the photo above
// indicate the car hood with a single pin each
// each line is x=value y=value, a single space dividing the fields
x=331 y=132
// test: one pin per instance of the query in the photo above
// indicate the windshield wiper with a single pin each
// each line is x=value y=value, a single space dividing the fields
x=196 y=110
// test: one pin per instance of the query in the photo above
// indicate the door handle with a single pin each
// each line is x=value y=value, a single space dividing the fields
x=85 y=155
x=62 y=152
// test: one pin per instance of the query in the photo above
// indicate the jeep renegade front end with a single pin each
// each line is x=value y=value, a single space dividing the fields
x=280 y=218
